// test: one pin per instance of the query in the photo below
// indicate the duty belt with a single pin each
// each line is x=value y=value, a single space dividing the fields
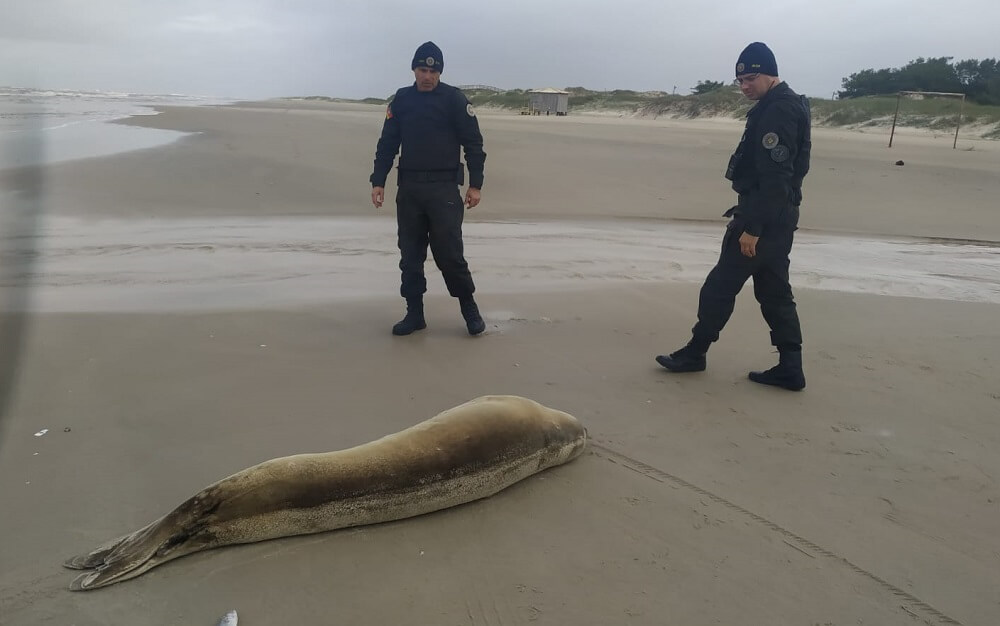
x=427 y=176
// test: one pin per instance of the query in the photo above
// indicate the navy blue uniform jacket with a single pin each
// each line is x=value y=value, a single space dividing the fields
x=772 y=159
x=431 y=126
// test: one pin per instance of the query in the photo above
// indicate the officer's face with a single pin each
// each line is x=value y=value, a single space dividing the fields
x=754 y=86
x=427 y=79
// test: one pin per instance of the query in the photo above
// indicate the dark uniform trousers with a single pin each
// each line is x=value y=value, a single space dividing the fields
x=431 y=213
x=769 y=269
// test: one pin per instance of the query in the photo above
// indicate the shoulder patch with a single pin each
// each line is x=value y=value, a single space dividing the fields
x=470 y=110
x=779 y=154
x=388 y=111
x=770 y=140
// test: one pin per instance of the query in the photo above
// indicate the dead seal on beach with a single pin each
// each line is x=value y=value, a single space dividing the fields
x=463 y=454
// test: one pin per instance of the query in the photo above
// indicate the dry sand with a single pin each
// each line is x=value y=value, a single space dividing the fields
x=201 y=307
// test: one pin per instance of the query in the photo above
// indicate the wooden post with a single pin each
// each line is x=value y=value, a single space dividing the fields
x=961 y=109
x=894 y=116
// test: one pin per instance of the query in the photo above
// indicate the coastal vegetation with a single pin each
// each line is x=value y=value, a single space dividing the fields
x=868 y=98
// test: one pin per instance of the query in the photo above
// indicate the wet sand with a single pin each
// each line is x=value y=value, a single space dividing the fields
x=201 y=307
x=142 y=265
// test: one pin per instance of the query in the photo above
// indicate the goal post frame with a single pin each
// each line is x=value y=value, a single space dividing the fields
x=961 y=109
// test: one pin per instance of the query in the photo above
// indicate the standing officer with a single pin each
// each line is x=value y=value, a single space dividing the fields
x=431 y=120
x=766 y=171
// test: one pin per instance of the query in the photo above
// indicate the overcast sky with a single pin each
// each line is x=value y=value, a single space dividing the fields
x=359 y=48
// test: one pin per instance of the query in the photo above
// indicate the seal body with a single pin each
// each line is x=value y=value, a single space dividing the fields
x=463 y=454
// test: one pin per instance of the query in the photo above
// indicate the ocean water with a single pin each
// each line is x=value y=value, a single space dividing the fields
x=39 y=126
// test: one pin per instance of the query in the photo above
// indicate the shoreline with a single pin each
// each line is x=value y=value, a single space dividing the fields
x=81 y=140
x=40 y=126
x=108 y=141
x=178 y=265
x=315 y=160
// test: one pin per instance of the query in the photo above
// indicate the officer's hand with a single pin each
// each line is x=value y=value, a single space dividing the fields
x=378 y=195
x=472 y=197
x=748 y=244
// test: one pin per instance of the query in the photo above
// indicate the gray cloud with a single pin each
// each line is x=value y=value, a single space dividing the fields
x=353 y=48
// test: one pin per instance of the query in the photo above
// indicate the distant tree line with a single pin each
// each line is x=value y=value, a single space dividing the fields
x=706 y=86
x=978 y=80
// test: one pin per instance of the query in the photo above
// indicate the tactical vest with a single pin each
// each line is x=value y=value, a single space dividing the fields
x=744 y=178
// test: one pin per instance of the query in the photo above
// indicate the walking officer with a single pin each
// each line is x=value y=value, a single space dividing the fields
x=431 y=120
x=766 y=171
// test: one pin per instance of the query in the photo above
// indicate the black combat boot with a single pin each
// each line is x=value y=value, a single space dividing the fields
x=473 y=320
x=786 y=374
x=690 y=358
x=414 y=319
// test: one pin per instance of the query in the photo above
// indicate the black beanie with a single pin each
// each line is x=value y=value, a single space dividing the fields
x=757 y=58
x=428 y=55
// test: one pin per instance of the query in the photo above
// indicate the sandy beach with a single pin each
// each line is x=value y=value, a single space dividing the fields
x=197 y=308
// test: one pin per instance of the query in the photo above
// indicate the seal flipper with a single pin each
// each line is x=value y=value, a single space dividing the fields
x=130 y=556
x=133 y=558
x=110 y=573
x=115 y=557
x=94 y=558
x=174 y=535
x=99 y=555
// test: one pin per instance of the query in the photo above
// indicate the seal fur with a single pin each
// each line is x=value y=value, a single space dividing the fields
x=463 y=454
